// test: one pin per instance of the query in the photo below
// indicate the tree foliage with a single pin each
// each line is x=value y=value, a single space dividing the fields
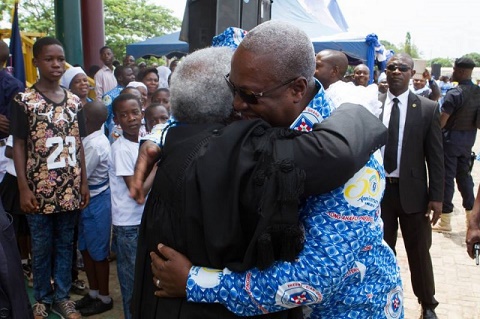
x=444 y=62
x=37 y=16
x=125 y=21
x=33 y=15
x=475 y=57
x=6 y=6
x=390 y=46
x=135 y=20
x=406 y=47
x=409 y=48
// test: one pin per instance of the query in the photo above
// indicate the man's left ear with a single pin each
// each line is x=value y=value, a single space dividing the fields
x=300 y=86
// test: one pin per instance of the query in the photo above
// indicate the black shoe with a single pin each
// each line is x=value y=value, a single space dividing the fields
x=27 y=270
x=84 y=302
x=428 y=313
x=96 y=307
x=78 y=288
x=78 y=291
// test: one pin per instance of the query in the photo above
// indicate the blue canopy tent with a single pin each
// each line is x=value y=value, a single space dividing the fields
x=158 y=46
x=355 y=49
x=322 y=20
x=324 y=23
x=358 y=50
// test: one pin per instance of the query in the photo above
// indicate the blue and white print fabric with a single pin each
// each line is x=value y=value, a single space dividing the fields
x=345 y=270
x=319 y=108
x=231 y=37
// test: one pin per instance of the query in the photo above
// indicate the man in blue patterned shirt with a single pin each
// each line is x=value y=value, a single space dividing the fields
x=345 y=269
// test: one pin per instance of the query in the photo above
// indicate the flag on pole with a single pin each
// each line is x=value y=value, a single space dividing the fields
x=16 y=54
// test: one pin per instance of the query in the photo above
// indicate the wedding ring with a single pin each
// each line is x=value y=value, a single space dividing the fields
x=158 y=283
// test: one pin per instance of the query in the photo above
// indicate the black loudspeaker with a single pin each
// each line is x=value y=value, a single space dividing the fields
x=228 y=14
x=436 y=70
x=254 y=12
x=208 y=18
x=201 y=23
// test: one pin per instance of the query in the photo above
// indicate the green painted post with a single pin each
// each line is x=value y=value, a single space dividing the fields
x=68 y=28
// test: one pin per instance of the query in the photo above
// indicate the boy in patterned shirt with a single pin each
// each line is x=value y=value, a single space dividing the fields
x=50 y=166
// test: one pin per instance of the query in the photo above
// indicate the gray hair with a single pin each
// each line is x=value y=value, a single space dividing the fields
x=291 y=48
x=199 y=92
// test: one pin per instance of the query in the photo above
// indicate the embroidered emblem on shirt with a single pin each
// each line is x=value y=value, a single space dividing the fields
x=292 y=294
x=306 y=119
x=394 y=306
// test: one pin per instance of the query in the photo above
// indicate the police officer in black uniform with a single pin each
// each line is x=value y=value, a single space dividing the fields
x=458 y=121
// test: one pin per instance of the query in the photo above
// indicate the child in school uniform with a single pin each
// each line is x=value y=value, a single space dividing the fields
x=155 y=113
x=96 y=219
x=126 y=213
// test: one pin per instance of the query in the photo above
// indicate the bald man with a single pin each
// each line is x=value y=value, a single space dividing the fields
x=330 y=67
x=361 y=75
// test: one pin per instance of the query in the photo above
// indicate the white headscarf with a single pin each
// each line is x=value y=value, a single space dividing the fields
x=68 y=76
x=163 y=73
x=136 y=84
x=382 y=77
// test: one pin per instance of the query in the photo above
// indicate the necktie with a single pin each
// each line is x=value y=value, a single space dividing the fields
x=391 y=149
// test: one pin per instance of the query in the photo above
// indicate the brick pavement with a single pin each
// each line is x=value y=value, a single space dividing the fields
x=457 y=277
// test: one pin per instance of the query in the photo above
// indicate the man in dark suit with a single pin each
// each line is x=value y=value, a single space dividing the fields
x=414 y=138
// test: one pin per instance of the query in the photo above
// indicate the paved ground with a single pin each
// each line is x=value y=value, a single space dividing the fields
x=457 y=278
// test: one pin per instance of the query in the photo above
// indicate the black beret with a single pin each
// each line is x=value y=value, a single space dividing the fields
x=464 y=63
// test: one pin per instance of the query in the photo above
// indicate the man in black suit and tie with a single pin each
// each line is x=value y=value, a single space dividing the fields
x=414 y=139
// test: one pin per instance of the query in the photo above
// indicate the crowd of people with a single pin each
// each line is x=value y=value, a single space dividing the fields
x=250 y=179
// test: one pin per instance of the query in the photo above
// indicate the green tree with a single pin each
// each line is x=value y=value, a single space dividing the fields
x=37 y=16
x=125 y=21
x=444 y=62
x=409 y=48
x=6 y=7
x=135 y=20
x=475 y=57
x=390 y=46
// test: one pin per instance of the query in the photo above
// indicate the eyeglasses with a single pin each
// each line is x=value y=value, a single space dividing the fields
x=401 y=67
x=249 y=96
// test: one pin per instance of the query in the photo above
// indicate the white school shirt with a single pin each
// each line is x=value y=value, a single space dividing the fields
x=97 y=150
x=10 y=167
x=387 y=110
x=125 y=210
